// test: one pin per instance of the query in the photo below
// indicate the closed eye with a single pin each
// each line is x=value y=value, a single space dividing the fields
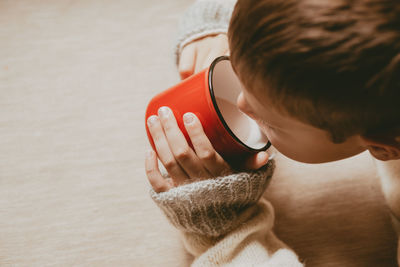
x=267 y=125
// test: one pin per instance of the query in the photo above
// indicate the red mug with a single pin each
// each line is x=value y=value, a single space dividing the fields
x=211 y=95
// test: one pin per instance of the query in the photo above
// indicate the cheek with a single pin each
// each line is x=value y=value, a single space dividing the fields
x=310 y=149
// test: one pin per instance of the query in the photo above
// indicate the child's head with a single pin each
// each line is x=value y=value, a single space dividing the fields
x=324 y=73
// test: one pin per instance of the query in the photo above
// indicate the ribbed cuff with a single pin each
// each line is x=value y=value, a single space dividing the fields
x=204 y=17
x=212 y=207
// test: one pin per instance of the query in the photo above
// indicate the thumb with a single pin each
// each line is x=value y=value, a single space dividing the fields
x=256 y=161
x=187 y=61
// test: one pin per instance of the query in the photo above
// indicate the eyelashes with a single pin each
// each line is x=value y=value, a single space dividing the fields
x=271 y=128
x=266 y=125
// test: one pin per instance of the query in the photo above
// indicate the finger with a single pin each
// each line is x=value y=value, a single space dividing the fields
x=211 y=56
x=257 y=161
x=220 y=48
x=226 y=52
x=201 y=58
x=164 y=151
x=187 y=61
x=154 y=176
x=212 y=161
x=180 y=148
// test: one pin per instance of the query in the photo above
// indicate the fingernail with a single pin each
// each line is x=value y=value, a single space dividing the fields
x=163 y=112
x=188 y=118
x=152 y=120
x=265 y=156
x=149 y=153
x=271 y=155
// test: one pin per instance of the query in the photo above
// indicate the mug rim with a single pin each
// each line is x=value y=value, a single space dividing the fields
x=214 y=101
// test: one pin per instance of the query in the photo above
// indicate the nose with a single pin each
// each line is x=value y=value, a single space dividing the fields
x=241 y=103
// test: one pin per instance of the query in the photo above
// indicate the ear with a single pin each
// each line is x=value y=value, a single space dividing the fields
x=384 y=145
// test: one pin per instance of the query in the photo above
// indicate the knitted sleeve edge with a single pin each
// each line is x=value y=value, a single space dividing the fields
x=204 y=17
x=212 y=207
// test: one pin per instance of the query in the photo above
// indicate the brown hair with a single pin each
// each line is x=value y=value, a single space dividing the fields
x=334 y=64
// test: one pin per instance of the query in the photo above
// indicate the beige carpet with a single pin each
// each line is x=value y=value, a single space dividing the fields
x=75 y=77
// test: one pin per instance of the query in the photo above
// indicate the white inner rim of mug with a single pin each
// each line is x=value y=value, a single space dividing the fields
x=225 y=88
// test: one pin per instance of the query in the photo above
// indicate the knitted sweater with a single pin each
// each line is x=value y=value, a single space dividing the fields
x=224 y=223
x=389 y=173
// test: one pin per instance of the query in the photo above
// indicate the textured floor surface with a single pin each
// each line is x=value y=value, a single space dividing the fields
x=75 y=77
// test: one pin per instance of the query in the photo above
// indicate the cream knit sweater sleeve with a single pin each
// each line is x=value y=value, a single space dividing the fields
x=224 y=223
x=389 y=173
x=204 y=17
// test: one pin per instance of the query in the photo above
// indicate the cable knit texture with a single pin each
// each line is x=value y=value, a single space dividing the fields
x=212 y=207
x=204 y=17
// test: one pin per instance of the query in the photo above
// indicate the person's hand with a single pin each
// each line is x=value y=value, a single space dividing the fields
x=198 y=54
x=183 y=163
